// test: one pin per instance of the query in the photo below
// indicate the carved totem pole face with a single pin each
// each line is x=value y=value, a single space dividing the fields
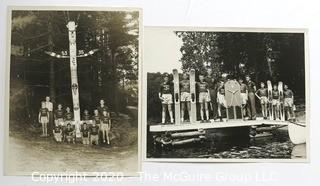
x=72 y=30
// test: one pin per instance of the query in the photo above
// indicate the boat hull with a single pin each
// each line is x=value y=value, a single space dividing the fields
x=297 y=133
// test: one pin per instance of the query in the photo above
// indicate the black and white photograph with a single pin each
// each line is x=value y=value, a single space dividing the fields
x=73 y=90
x=225 y=94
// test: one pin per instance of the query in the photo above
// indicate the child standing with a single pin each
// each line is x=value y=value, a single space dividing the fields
x=276 y=102
x=262 y=94
x=213 y=87
x=244 y=96
x=58 y=115
x=185 y=96
x=105 y=126
x=165 y=95
x=288 y=102
x=221 y=98
x=204 y=97
x=43 y=118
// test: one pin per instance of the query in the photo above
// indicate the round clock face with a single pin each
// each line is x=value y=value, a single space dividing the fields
x=233 y=96
x=232 y=86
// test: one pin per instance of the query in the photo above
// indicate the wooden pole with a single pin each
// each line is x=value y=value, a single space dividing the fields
x=74 y=76
x=52 y=68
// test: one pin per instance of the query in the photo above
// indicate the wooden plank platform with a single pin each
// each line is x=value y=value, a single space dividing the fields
x=213 y=125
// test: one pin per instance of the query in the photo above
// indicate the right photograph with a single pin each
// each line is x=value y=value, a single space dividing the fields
x=219 y=95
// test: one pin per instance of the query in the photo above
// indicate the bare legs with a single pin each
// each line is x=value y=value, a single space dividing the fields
x=290 y=112
x=243 y=107
x=164 y=106
x=185 y=104
x=204 y=108
x=264 y=110
x=44 y=129
x=105 y=135
x=276 y=110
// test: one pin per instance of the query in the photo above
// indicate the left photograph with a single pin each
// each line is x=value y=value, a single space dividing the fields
x=72 y=90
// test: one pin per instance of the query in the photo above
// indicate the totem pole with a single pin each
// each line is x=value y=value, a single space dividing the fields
x=73 y=69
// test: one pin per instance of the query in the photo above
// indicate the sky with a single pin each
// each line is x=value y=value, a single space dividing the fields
x=161 y=50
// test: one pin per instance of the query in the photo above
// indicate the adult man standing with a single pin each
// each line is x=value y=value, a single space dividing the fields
x=49 y=106
x=251 y=98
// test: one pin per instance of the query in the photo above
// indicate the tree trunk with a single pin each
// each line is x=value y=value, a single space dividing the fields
x=115 y=82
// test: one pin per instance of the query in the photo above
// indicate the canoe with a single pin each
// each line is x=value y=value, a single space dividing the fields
x=297 y=133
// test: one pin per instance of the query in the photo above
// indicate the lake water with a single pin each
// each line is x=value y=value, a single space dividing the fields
x=275 y=146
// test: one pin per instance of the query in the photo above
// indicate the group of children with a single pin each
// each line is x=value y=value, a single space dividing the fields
x=91 y=127
x=273 y=102
x=211 y=97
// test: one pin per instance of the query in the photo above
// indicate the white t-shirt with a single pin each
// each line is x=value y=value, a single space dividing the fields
x=49 y=106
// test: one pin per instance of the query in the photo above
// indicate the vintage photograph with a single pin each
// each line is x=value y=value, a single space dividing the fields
x=225 y=94
x=73 y=90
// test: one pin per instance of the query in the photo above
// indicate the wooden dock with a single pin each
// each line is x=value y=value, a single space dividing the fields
x=214 y=125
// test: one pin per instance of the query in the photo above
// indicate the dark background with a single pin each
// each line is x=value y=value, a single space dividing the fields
x=264 y=56
x=111 y=73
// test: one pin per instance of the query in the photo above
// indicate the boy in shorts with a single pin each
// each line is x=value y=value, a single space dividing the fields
x=204 y=97
x=244 y=96
x=185 y=96
x=85 y=133
x=288 y=102
x=105 y=126
x=221 y=98
x=58 y=115
x=213 y=87
x=94 y=134
x=70 y=134
x=262 y=95
x=276 y=102
x=57 y=133
x=43 y=118
x=165 y=95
